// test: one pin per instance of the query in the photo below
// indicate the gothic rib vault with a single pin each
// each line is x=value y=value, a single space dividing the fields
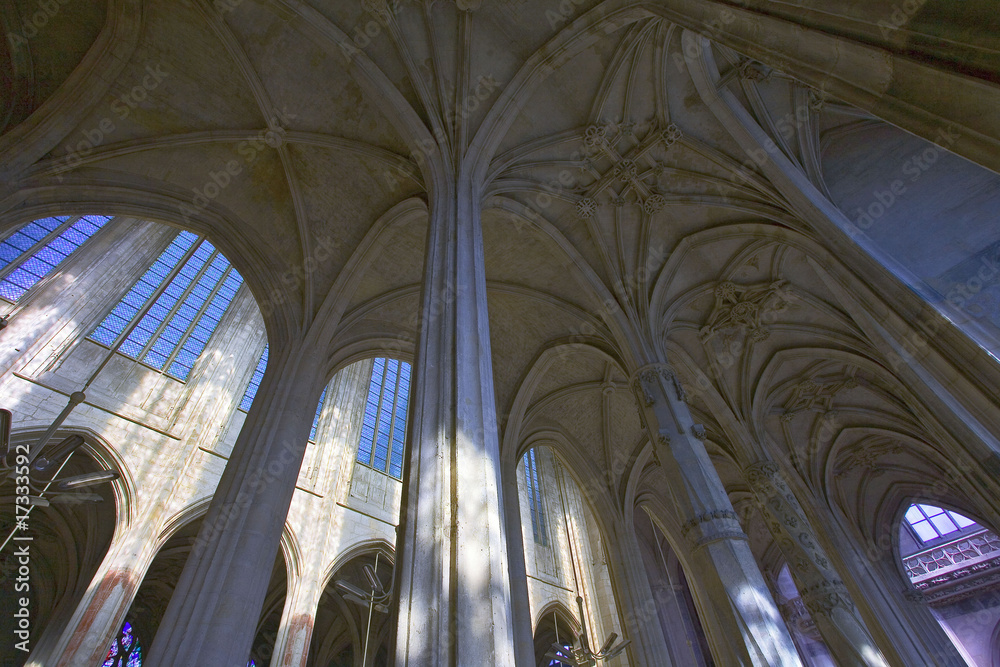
x=604 y=226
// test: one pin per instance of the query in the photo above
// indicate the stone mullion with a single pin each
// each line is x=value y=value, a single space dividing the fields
x=453 y=579
x=720 y=552
x=823 y=593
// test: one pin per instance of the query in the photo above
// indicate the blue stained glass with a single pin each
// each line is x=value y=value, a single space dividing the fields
x=26 y=237
x=535 y=505
x=383 y=430
x=258 y=375
x=194 y=301
x=34 y=268
x=126 y=651
x=115 y=323
x=319 y=409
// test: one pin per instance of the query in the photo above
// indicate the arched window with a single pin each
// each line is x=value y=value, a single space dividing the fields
x=536 y=503
x=319 y=411
x=170 y=313
x=931 y=524
x=383 y=429
x=30 y=253
x=951 y=561
x=254 y=385
x=126 y=651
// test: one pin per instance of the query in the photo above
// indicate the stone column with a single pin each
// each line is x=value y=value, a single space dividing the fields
x=99 y=615
x=822 y=591
x=524 y=641
x=640 y=617
x=213 y=614
x=724 y=566
x=454 y=590
x=334 y=452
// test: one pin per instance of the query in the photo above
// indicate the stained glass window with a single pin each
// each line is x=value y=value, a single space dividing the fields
x=171 y=311
x=126 y=651
x=30 y=253
x=535 y=504
x=254 y=385
x=319 y=411
x=931 y=523
x=383 y=428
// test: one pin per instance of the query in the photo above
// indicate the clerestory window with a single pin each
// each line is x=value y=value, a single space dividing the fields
x=383 y=427
x=168 y=316
x=35 y=249
x=319 y=411
x=254 y=385
x=536 y=504
x=931 y=523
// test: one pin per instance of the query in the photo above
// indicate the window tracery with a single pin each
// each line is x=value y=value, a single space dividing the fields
x=31 y=252
x=171 y=311
x=383 y=427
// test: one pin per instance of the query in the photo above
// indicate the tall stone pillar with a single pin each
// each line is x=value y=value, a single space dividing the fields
x=640 y=617
x=85 y=638
x=722 y=561
x=823 y=593
x=452 y=578
x=213 y=613
x=524 y=641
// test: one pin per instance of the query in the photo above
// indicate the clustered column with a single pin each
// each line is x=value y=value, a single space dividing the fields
x=822 y=591
x=723 y=563
x=453 y=578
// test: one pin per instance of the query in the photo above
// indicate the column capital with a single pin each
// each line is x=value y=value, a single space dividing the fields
x=643 y=379
x=712 y=526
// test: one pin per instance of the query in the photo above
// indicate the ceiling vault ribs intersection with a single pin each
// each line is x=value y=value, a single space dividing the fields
x=622 y=216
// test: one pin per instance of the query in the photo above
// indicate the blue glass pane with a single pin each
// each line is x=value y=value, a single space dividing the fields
x=258 y=375
x=116 y=322
x=383 y=428
x=46 y=258
x=26 y=237
x=209 y=320
x=535 y=505
x=319 y=409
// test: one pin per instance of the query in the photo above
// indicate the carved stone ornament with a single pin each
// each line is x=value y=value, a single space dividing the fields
x=744 y=307
x=817 y=394
x=867 y=456
x=653 y=204
x=618 y=157
x=671 y=135
x=715 y=515
x=698 y=431
x=586 y=207
x=826 y=596
x=647 y=376
x=761 y=475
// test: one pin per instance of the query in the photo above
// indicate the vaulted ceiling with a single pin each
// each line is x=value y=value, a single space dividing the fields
x=607 y=140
